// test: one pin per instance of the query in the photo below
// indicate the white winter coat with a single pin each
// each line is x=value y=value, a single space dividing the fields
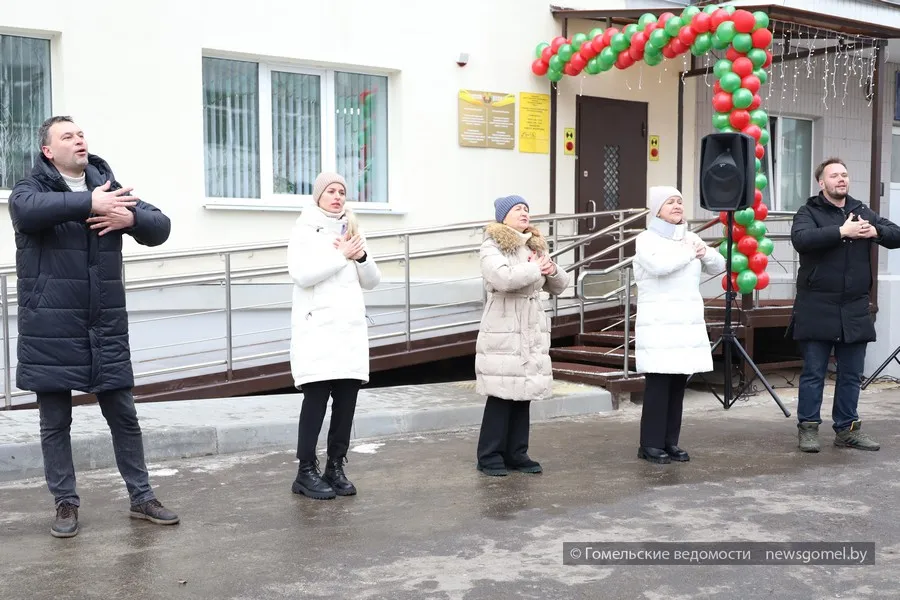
x=329 y=334
x=670 y=329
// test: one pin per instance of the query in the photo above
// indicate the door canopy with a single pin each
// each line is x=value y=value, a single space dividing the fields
x=739 y=75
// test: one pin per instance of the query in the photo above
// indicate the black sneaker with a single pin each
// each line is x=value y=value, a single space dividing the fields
x=66 y=523
x=154 y=512
x=525 y=465
x=335 y=477
x=310 y=483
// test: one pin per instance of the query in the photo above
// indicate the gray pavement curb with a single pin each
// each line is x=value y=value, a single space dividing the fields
x=24 y=460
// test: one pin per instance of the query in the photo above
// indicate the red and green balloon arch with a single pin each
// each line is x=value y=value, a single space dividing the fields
x=747 y=40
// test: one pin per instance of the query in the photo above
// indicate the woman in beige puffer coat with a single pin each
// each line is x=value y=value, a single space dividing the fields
x=512 y=362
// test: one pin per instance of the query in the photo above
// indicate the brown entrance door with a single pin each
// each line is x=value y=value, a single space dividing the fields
x=610 y=167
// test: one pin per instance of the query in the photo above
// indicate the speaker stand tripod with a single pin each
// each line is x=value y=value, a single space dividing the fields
x=729 y=342
x=883 y=366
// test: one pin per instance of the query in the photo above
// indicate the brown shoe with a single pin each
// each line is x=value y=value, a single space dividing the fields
x=66 y=523
x=154 y=512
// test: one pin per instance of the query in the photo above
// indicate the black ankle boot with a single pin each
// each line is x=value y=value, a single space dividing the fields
x=676 y=453
x=310 y=483
x=654 y=455
x=334 y=475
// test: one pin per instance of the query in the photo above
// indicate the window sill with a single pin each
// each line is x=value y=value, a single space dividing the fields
x=262 y=206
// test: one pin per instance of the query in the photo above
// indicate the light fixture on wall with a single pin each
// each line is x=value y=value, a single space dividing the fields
x=463 y=59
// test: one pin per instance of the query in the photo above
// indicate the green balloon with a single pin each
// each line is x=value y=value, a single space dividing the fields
x=595 y=32
x=764 y=137
x=762 y=20
x=711 y=9
x=742 y=42
x=651 y=49
x=673 y=26
x=659 y=38
x=565 y=52
x=726 y=31
x=758 y=57
x=629 y=31
x=718 y=43
x=593 y=66
x=756 y=228
x=540 y=48
x=759 y=117
x=746 y=281
x=761 y=181
x=645 y=19
x=758 y=164
x=557 y=63
x=720 y=120
x=688 y=13
x=653 y=59
x=728 y=129
x=739 y=262
x=741 y=98
x=766 y=246
x=762 y=76
x=723 y=249
x=619 y=43
x=701 y=45
x=722 y=66
x=553 y=75
x=578 y=40
x=607 y=57
x=730 y=82
x=744 y=217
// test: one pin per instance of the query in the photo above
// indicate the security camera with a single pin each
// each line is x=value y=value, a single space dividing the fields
x=463 y=59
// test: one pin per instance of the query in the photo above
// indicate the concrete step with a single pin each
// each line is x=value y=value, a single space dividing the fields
x=597 y=355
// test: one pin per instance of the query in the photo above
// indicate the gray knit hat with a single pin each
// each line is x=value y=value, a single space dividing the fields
x=502 y=206
x=322 y=183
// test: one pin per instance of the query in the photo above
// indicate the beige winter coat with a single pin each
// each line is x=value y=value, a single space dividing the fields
x=512 y=358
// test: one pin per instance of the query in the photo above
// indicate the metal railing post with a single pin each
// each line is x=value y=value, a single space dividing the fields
x=229 y=346
x=406 y=270
x=555 y=246
x=627 y=318
x=621 y=217
x=7 y=348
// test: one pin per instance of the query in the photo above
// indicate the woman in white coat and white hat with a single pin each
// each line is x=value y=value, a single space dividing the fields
x=671 y=340
x=330 y=268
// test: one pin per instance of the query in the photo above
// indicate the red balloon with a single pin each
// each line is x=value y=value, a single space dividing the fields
x=718 y=17
x=668 y=51
x=664 y=18
x=649 y=27
x=608 y=34
x=742 y=66
x=639 y=40
x=624 y=61
x=748 y=245
x=751 y=82
x=762 y=38
x=744 y=21
x=635 y=53
x=539 y=67
x=757 y=196
x=598 y=44
x=701 y=22
x=760 y=152
x=557 y=42
x=758 y=262
x=678 y=46
x=570 y=70
x=761 y=211
x=686 y=35
x=732 y=54
x=722 y=102
x=768 y=59
x=547 y=54
x=739 y=119
x=738 y=232
x=753 y=131
x=723 y=217
x=762 y=280
x=734 y=286
x=578 y=63
x=587 y=52
x=716 y=87
x=757 y=101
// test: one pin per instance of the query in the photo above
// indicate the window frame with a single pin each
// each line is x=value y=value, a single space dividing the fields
x=775 y=164
x=269 y=200
x=35 y=35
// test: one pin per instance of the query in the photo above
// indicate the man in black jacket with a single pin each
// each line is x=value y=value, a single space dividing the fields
x=833 y=234
x=69 y=217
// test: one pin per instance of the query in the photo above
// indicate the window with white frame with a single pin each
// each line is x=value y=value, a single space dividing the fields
x=270 y=129
x=789 y=163
x=24 y=103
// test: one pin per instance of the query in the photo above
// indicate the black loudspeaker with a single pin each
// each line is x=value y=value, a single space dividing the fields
x=727 y=171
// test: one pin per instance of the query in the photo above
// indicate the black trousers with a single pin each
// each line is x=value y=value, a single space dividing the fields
x=504 y=432
x=661 y=414
x=343 y=393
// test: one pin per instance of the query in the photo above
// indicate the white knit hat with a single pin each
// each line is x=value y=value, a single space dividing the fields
x=323 y=181
x=658 y=196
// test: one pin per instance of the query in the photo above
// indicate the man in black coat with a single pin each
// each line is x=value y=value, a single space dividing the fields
x=69 y=217
x=833 y=234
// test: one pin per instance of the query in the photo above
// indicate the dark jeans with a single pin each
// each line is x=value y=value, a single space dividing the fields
x=117 y=407
x=850 y=363
x=504 y=432
x=661 y=413
x=315 y=403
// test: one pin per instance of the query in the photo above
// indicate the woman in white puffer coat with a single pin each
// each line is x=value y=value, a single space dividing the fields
x=670 y=337
x=330 y=268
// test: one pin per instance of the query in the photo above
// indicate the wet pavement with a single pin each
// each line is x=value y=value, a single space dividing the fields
x=426 y=524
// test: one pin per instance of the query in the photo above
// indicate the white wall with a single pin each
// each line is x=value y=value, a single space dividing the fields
x=132 y=80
